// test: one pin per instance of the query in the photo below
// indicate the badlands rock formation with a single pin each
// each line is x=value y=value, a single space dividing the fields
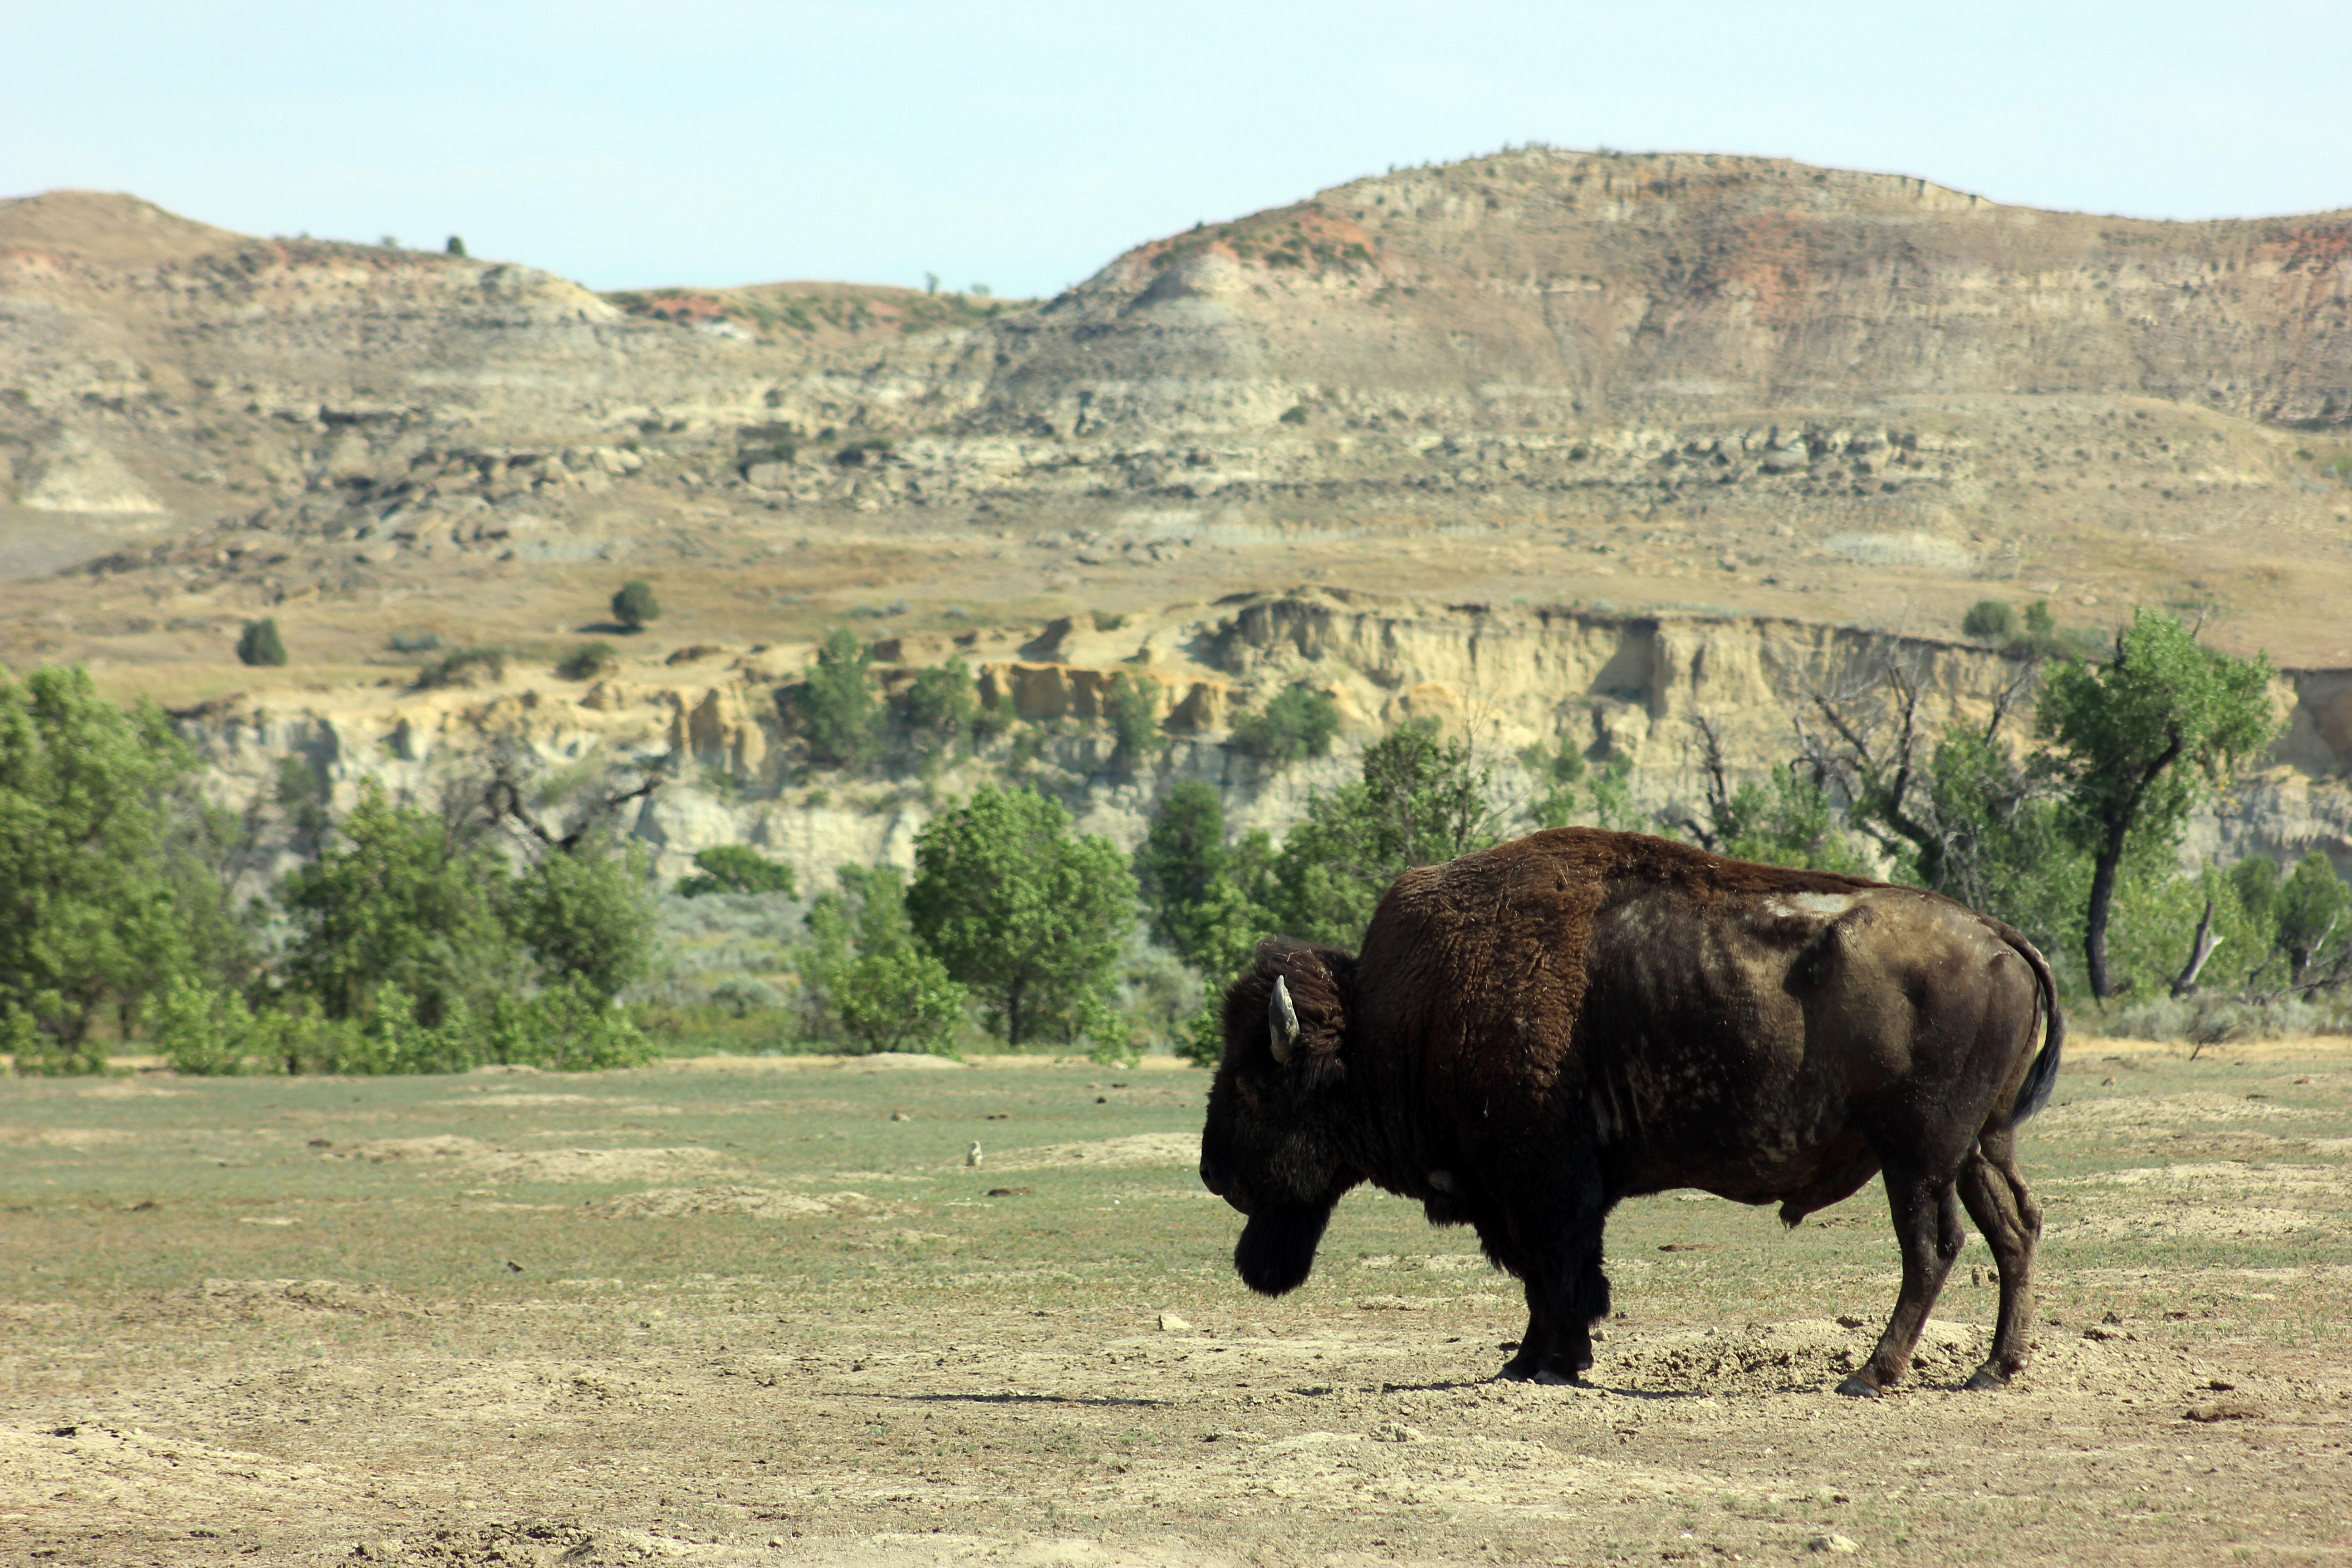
x=1745 y=404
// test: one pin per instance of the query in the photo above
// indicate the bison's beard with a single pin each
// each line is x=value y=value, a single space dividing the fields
x=1276 y=1251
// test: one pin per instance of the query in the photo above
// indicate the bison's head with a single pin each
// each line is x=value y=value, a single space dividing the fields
x=1274 y=1146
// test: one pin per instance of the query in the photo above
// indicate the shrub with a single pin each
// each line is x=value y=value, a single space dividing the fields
x=737 y=868
x=588 y=661
x=942 y=702
x=467 y=667
x=456 y=246
x=864 y=975
x=1298 y=723
x=260 y=644
x=1992 y=619
x=1134 y=716
x=839 y=711
x=634 y=604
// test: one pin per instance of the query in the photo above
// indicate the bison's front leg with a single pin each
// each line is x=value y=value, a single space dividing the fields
x=1567 y=1294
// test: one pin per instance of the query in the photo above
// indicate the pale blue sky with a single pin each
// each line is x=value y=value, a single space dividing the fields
x=1023 y=145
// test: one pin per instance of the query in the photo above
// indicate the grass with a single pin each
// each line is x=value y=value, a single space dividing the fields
x=927 y=1355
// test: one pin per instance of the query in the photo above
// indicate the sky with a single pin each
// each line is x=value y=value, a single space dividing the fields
x=1023 y=145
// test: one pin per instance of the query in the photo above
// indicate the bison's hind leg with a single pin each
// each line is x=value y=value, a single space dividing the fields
x=2004 y=1209
x=1927 y=1228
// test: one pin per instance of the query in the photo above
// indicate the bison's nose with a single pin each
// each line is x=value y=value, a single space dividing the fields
x=1209 y=1178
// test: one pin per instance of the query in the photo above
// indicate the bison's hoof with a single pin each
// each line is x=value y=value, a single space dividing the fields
x=1859 y=1388
x=1551 y=1379
x=1986 y=1378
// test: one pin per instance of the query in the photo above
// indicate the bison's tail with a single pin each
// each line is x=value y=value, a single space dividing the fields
x=2042 y=1076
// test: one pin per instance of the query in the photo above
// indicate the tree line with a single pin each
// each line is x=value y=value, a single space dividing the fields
x=506 y=921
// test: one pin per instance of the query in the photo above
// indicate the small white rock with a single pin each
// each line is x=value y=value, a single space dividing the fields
x=1834 y=1544
x=1170 y=1323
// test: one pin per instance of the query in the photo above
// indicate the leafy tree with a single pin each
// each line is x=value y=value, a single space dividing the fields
x=1420 y=801
x=1560 y=770
x=869 y=974
x=110 y=884
x=2300 y=924
x=1993 y=619
x=585 y=917
x=1028 y=915
x=839 y=712
x=2139 y=739
x=737 y=868
x=1298 y=723
x=634 y=604
x=456 y=246
x=1182 y=857
x=400 y=900
x=941 y=704
x=259 y=643
x=1791 y=823
x=1133 y=715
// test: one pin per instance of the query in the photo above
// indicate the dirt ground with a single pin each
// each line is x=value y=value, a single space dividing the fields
x=765 y=1311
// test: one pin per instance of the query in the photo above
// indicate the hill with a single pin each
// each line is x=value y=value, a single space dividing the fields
x=1684 y=384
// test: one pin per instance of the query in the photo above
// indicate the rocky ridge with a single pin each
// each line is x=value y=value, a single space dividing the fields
x=1509 y=682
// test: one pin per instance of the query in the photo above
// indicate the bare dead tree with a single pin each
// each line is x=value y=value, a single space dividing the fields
x=503 y=800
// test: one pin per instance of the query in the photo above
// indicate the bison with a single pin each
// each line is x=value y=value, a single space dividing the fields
x=1535 y=1032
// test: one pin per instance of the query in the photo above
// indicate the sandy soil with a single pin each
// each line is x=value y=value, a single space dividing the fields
x=731 y=1314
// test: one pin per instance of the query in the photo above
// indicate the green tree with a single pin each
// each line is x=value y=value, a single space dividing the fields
x=111 y=866
x=1027 y=914
x=1133 y=715
x=1421 y=800
x=1791 y=821
x=634 y=606
x=869 y=974
x=259 y=643
x=737 y=868
x=585 y=917
x=2140 y=738
x=839 y=712
x=941 y=704
x=1182 y=857
x=456 y=246
x=398 y=898
x=1298 y=723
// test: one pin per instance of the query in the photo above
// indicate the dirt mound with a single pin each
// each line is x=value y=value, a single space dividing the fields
x=303 y=1296
x=671 y=1203
x=1144 y=1148
x=472 y=1159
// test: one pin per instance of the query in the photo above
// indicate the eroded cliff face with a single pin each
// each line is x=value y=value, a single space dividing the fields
x=1643 y=688
x=1551 y=289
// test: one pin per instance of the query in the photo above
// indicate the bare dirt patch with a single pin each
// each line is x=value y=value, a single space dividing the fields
x=833 y=1342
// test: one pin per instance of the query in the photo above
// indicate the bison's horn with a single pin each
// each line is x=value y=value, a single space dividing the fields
x=1282 y=1018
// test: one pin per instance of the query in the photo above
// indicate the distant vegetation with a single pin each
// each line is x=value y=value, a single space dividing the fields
x=430 y=936
x=259 y=643
x=1298 y=723
x=634 y=606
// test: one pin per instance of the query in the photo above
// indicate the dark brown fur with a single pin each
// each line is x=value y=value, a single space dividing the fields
x=1532 y=1033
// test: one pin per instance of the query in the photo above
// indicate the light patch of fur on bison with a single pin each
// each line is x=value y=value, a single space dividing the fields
x=1533 y=1034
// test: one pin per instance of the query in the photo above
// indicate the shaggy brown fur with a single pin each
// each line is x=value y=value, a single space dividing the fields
x=1534 y=1033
